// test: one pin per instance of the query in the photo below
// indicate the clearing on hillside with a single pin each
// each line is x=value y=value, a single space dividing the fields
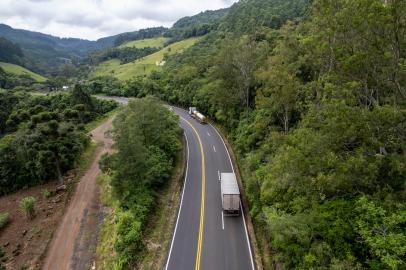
x=19 y=70
x=158 y=42
x=143 y=66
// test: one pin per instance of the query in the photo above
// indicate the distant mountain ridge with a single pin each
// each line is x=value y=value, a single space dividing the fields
x=44 y=53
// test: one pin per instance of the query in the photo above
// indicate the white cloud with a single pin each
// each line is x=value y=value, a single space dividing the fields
x=93 y=19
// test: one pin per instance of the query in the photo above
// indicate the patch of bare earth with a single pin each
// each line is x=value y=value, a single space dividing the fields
x=25 y=240
x=73 y=245
x=63 y=228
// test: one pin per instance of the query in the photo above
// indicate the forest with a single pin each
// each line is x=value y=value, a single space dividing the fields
x=41 y=137
x=312 y=96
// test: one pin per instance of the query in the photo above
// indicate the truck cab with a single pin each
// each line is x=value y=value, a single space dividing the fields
x=192 y=111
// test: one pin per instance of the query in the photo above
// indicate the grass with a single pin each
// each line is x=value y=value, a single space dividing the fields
x=86 y=158
x=18 y=70
x=105 y=247
x=143 y=66
x=158 y=42
x=99 y=120
x=4 y=220
x=27 y=205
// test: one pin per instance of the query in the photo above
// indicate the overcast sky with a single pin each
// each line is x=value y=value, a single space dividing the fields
x=93 y=19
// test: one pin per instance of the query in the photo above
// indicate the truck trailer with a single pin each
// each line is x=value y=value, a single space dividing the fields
x=197 y=115
x=230 y=194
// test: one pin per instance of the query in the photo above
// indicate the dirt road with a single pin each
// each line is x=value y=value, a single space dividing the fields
x=73 y=244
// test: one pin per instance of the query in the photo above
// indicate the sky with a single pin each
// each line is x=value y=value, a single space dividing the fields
x=93 y=19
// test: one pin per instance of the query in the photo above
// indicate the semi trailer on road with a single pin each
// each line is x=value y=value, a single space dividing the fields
x=197 y=115
x=230 y=194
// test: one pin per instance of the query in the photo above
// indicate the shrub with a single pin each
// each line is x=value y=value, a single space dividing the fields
x=27 y=204
x=4 y=220
x=47 y=194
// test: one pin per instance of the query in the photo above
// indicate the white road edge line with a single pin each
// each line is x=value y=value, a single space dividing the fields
x=222 y=219
x=214 y=148
x=218 y=173
x=181 y=202
x=242 y=210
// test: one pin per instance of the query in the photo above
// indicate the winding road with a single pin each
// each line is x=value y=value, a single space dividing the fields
x=203 y=238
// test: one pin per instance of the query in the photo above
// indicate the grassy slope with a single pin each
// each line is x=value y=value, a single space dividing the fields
x=18 y=70
x=143 y=43
x=141 y=66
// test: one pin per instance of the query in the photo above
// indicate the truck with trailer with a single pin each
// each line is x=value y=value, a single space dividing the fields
x=230 y=194
x=197 y=115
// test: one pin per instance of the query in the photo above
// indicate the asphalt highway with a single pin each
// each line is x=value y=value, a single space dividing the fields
x=203 y=238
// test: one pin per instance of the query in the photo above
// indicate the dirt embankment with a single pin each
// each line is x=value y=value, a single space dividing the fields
x=74 y=242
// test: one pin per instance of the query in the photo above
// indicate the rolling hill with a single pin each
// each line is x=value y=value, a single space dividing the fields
x=19 y=70
x=43 y=53
x=158 y=42
x=141 y=66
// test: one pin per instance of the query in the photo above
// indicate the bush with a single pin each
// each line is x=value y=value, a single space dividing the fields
x=4 y=220
x=128 y=238
x=47 y=194
x=27 y=204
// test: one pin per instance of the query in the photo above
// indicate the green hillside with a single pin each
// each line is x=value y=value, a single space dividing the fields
x=19 y=70
x=142 y=66
x=144 y=43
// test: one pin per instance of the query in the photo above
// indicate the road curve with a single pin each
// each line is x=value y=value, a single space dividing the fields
x=203 y=238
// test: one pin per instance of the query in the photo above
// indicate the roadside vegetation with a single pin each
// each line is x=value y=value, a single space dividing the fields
x=147 y=142
x=312 y=95
x=43 y=136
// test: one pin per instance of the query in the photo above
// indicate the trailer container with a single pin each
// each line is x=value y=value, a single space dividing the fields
x=230 y=194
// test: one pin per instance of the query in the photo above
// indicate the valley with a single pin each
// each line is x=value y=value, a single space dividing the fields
x=119 y=144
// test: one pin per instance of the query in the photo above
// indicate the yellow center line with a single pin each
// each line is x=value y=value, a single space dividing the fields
x=200 y=240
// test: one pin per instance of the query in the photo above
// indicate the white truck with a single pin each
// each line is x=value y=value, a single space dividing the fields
x=230 y=194
x=197 y=115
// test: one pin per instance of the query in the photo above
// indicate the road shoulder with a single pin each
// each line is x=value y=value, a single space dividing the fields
x=245 y=203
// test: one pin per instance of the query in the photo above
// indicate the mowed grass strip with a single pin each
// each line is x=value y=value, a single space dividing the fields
x=158 y=42
x=19 y=70
x=143 y=66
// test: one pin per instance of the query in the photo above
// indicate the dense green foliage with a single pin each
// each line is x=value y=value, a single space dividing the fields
x=248 y=16
x=9 y=52
x=316 y=108
x=43 y=136
x=197 y=25
x=147 y=142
